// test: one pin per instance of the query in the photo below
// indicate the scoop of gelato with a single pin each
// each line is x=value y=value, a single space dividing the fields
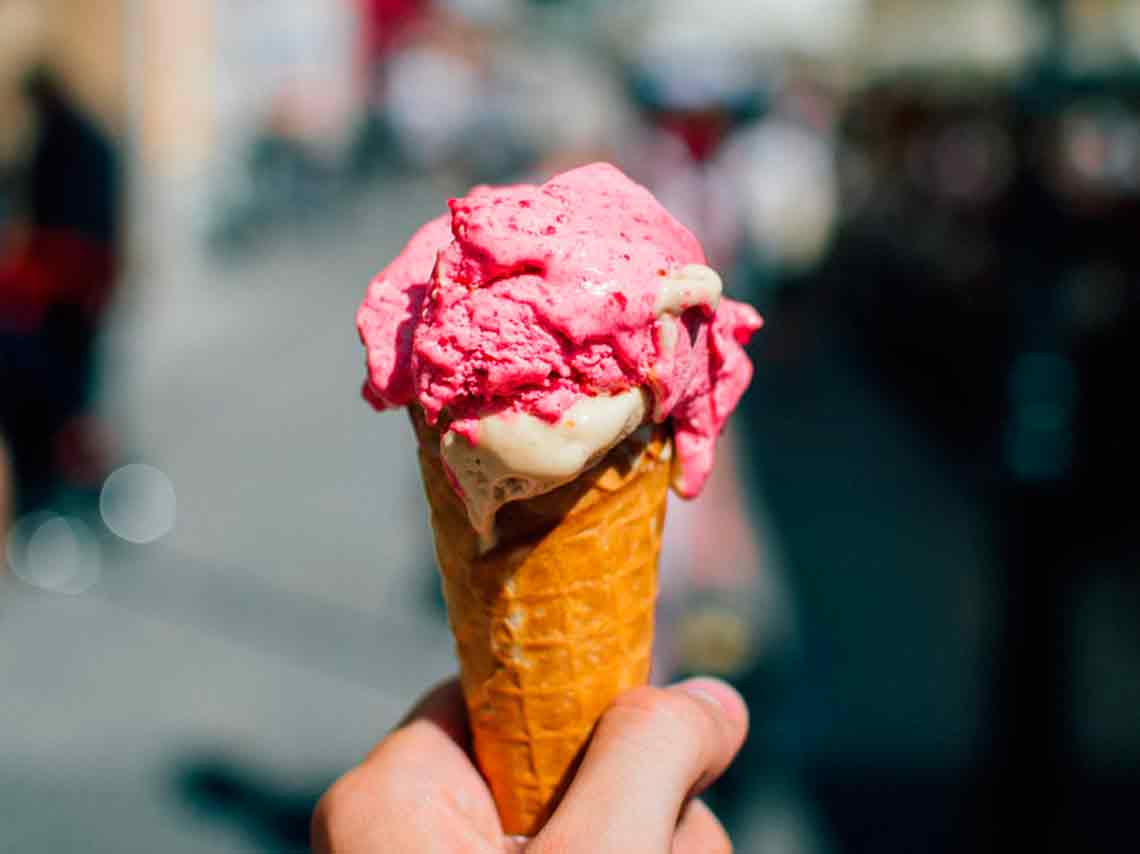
x=526 y=300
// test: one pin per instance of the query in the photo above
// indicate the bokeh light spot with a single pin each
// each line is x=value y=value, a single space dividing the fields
x=54 y=553
x=137 y=503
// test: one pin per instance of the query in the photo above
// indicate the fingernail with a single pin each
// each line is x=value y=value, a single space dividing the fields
x=703 y=689
x=717 y=693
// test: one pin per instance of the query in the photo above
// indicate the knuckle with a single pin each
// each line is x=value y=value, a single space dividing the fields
x=406 y=742
x=664 y=717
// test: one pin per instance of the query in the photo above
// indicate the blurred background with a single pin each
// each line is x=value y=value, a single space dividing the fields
x=220 y=587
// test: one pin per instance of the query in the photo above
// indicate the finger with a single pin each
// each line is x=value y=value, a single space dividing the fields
x=428 y=754
x=700 y=832
x=443 y=708
x=416 y=790
x=652 y=750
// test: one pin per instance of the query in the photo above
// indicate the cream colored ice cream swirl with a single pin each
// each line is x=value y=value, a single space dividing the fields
x=518 y=456
x=692 y=285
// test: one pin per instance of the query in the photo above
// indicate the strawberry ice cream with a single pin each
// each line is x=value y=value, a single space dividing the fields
x=567 y=313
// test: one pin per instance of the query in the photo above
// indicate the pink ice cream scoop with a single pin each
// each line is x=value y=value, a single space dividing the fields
x=530 y=304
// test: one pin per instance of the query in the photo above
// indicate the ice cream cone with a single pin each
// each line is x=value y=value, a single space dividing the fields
x=541 y=329
x=557 y=619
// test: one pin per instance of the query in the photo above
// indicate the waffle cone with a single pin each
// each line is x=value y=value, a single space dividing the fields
x=555 y=621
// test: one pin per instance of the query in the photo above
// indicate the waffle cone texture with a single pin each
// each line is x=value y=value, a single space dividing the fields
x=555 y=621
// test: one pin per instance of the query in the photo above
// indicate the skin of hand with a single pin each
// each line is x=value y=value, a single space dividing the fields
x=652 y=752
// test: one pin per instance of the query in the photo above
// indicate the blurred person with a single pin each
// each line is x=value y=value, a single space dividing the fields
x=384 y=23
x=651 y=754
x=384 y=28
x=432 y=91
x=441 y=91
x=58 y=228
x=785 y=173
x=693 y=96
